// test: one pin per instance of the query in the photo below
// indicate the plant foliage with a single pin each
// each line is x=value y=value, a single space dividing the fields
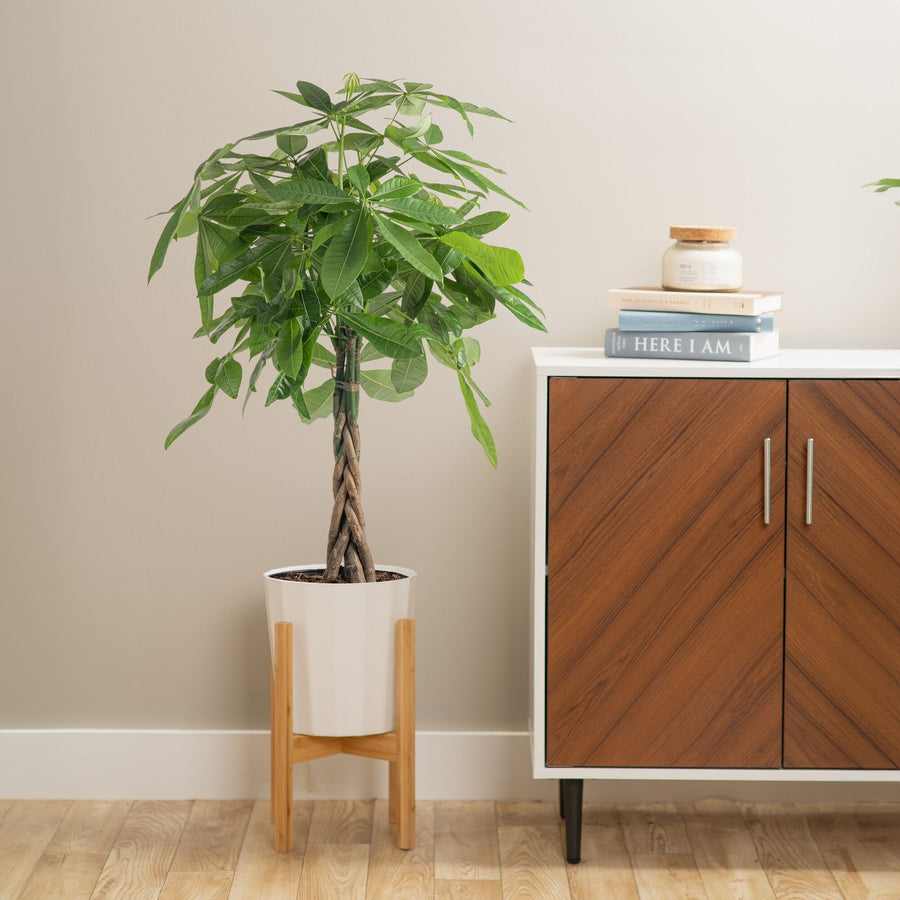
x=355 y=248
x=885 y=184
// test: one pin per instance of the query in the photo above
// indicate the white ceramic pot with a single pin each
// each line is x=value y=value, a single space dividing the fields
x=344 y=649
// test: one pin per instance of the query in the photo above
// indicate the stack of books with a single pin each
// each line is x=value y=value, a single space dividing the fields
x=654 y=323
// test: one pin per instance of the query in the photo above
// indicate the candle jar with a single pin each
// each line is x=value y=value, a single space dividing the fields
x=702 y=259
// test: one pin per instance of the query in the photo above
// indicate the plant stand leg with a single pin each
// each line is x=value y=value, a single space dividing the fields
x=282 y=734
x=403 y=780
x=572 y=795
x=393 y=796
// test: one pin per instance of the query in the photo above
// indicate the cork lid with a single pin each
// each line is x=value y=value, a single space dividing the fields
x=703 y=233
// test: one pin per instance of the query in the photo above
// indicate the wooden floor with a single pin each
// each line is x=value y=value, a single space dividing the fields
x=466 y=851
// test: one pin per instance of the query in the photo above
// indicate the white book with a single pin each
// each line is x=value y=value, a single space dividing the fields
x=743 y=303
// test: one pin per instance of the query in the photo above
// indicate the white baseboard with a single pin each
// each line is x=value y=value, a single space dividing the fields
x=174 y=765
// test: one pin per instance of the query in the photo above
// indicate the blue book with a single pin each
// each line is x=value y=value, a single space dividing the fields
x=646 y=320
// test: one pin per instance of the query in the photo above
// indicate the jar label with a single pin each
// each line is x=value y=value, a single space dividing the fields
x=708 y=273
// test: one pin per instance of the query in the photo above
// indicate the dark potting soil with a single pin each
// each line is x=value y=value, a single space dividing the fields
x=315 y=576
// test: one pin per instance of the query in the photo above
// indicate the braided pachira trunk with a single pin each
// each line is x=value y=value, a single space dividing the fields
x=347 y=544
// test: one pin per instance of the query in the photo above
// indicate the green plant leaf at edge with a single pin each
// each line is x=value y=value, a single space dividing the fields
x=168 y=232
x=480 y=430
x=200 y=410
x=501 y=265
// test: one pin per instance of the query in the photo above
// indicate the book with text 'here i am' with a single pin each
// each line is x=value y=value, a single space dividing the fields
x=741 y=303
x=697 y=345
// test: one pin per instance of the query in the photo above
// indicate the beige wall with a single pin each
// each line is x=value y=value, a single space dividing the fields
x=130 y=577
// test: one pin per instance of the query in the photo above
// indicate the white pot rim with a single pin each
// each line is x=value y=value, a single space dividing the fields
x=314 y=567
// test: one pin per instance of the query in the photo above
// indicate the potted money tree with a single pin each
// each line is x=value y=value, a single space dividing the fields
x=342 y=261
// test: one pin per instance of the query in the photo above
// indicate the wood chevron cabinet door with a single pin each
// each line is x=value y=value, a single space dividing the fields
x=842 y=626
x=665 y=585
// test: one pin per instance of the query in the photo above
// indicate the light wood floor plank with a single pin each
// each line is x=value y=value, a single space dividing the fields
x=468 y=890
x=661 y=855
x=76 y=854
x=212 y=838
x=334 y=870
x=789 y=854
x=531 y=814
x=341 y=822
x=862 y=850
x=25 y=832
x=707 y=851
x=605 y=867
x=395 y=873
x=197 y=886
x=140 y=858
x=724 y=851
x=261 y=871
x=466 y=847
x=532 y=866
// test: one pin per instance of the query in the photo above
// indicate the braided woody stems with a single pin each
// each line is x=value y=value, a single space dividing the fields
x=347 y=543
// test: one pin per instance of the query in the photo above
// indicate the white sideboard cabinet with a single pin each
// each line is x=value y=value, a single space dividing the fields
x=716 y=569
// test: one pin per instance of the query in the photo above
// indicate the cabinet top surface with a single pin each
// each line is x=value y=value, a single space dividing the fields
x=591 y=361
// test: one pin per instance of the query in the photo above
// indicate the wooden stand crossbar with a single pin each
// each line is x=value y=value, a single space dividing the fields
x=397 y=747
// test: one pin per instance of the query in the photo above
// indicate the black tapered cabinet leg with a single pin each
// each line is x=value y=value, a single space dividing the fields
x=571 y=793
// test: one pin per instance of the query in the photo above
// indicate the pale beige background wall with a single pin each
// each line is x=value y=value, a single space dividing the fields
x=130 y=577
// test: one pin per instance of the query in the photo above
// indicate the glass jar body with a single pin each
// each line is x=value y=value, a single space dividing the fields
x=702 y=266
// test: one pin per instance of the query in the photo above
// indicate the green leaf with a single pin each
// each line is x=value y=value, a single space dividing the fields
x=254 y=377
x=425 y=211
x=289 y=348
x=200 y=410
x=228 y=377
x=455 y=105
x=480 y=430
x=408 y=374
x=359 y=178
x=311 y=95
x=468 y=352
x=362 y=143
x=500 y=265
x=398 y=134
x=484 y=223
x=884 y=184
x=396 y=188
x=346 y=255
x=317 y=400
x=522 y=312
x=168 y=232
x=233 y=270
x=308 y=190
x=281 y=388
x=327 y=232
x=458 y=154
x=415 y=293
x=389 y=338
x=378 y=385
x=324 y=357
x=405 y=243
x=481 y=180
x=292 y=144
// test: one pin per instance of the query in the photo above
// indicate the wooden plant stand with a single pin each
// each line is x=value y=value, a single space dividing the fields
x=397 y=747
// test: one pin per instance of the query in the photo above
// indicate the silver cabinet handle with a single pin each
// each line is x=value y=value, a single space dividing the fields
x=767 y=481
x=809 y=481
